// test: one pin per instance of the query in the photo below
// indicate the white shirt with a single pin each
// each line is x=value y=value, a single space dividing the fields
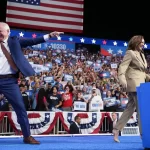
x=5 y=67
x=114 y=122
x=77 y=124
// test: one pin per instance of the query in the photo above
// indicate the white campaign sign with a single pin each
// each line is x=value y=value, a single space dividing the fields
x=81 y=106
x=114 y=65
x=96 y=104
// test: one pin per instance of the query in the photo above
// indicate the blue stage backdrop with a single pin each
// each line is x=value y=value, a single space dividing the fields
x=55 y=45
x=107 y=47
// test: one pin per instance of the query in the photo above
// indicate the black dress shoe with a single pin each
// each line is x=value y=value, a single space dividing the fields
x=30 y=140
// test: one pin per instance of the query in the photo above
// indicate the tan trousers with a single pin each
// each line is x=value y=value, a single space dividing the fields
x=128 y=112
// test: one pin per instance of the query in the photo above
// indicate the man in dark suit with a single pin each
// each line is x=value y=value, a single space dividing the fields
x=12 y=62
x=75 y=126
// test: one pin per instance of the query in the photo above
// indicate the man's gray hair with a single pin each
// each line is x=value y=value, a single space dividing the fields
x=5 y=25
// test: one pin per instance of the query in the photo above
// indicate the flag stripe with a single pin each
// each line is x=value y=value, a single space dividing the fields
x=62 y=7
x=66 y=15
x=45 y=20
x=48 y=9
x=53 y=17
x=71 y=1
x=54 y=2
x=36 y=11
x=27 y=22
x=20 y=25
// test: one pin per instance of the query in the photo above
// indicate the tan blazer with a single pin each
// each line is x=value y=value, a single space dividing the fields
x=132 y=70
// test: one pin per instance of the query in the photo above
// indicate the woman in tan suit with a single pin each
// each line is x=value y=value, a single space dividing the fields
x=131 y=73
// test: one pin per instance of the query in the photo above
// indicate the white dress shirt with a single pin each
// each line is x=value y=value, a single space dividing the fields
x=114 y=122
x=5 y=67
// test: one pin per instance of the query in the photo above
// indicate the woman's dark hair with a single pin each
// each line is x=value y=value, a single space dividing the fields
x=70 y=87
x=40 y=104
x=134 y=42
x=53 y=89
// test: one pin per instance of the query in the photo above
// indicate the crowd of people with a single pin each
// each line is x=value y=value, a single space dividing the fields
x=63 y=78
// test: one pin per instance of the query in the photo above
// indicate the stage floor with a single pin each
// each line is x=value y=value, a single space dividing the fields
x=74 y=143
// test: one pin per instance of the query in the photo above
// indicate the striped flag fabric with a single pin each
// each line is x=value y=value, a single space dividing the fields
x=49 y=15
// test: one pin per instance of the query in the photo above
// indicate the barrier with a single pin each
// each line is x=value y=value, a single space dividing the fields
x=6 y=129
x=58 y=129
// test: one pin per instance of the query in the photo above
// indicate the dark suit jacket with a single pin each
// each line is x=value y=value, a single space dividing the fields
x=15 y=45
x=74 y=129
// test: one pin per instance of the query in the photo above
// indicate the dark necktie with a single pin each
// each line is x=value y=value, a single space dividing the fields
x=8 y=56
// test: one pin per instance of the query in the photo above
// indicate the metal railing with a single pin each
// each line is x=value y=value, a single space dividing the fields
x=6 y=128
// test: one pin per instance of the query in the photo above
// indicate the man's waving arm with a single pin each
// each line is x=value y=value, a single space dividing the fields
x=24 y=42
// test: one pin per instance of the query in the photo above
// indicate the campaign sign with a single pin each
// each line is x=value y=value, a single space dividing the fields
x=29 y=93
x=111 y=101
x=80 y=106
x=3 y=102
x=96 y=104
x=39 y=68
x=89 y=63
x=124 y=102
x=68 y=77
x=56 y=45
x=49 y=79
x=114 y=66
x=49 y=65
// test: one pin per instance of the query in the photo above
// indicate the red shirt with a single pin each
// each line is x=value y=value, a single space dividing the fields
x=67 y=100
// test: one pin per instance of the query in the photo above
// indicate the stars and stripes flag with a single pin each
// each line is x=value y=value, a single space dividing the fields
x=60 y=15
x=44 y=122
x=40 y=123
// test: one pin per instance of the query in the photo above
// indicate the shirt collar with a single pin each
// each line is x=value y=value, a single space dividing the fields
x=77 y=124
x=5 y=41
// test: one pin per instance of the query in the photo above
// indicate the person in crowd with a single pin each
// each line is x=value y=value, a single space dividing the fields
x=67 y=99
x=25 y=97
x=12 y=62
x=4 y=105
x=95 y=98
x=48 y=89
x=97 y=90
x=42 y=104
x=54 y=99
x=75 y=126
x=112 y=107
x=58 y=84
x=131 y=74
x=79 y=98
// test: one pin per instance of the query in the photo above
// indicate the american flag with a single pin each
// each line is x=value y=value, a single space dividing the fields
x=60 y=15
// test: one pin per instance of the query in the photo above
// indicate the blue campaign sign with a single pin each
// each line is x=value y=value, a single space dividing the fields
x=61 y=45
x=56 y=45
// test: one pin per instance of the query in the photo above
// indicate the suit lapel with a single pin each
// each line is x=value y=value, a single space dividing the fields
x=10 y=44
x=140 y=59
x=144 y=60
